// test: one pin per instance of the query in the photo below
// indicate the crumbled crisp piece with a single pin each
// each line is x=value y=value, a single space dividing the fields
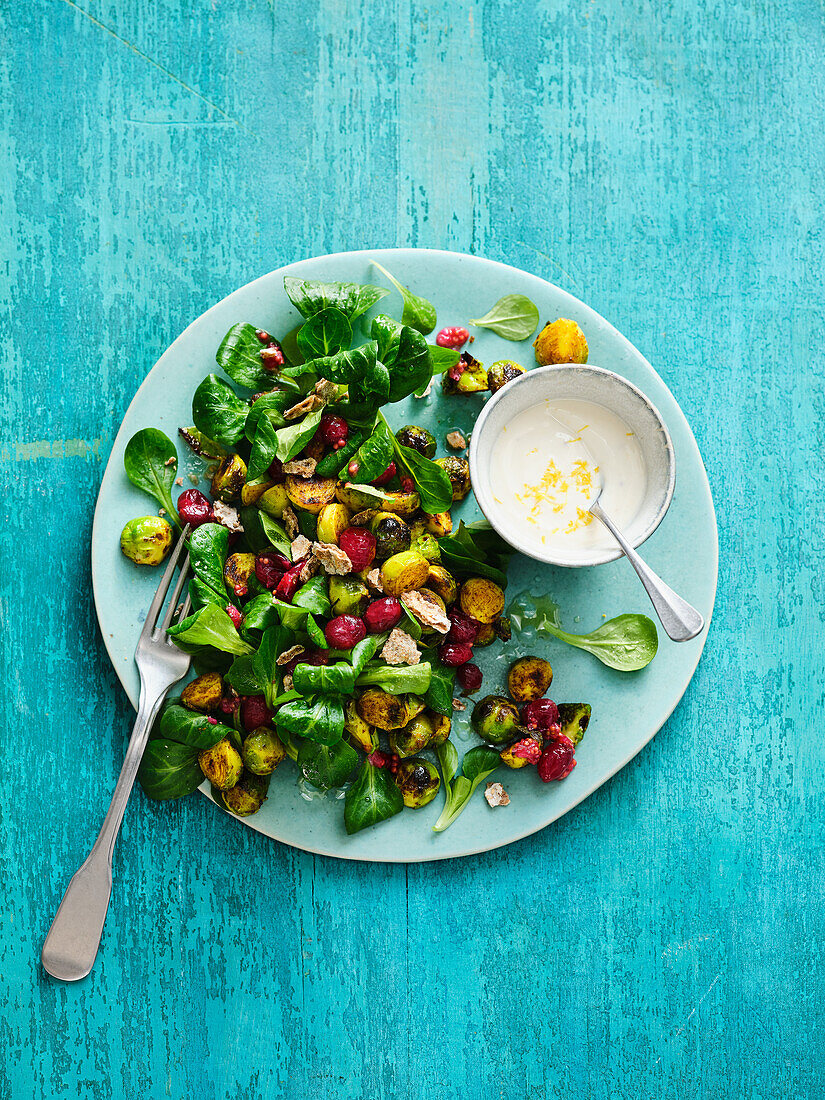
x=458 y=705
x=374 y=580
x=332 y=558
x=301 y=546
x=272 y=358
x=472 y=339
x=301 y=467
x=426 y=608
x=456 y=440
x=326 y=390
x=228 y=516
x=362 y=519
x=496 y=795
x=308 y=570
x=290 y=521
x=287 y=683
x=307 y=405
x=400 y=649
x=426 y=392
x=171 y=461
x=285 y=657
x=179 y=481
x=161 y=511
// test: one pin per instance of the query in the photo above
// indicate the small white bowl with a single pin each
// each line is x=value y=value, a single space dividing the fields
x=587 y=383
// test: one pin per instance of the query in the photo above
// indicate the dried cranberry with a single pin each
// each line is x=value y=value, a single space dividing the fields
x=464 y=629
x=542 y=714
x=230 y=701
x=378 y=759
x=234 y=615
x=254 y=712
x=383 y=614
x=194 y=508
x=270 y=566
x=276 y=471
x=289 y=583
x=387 y=475
x=455 y=654
x=212 y=721
x=470 y=677
x=344 y=631
x=314 y=657
x=557 y=760
x=333 y=430
x=359 y=545
x=452 y=337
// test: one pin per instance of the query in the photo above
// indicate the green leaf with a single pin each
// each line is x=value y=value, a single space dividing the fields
x=320 y=720
x=208 y=547
x=405 y=354
x=514 y=317
x=431 y=481
x=439 y=695
x=325 y=333
x=309 y=296
x=316 y=635
x=240 y=356
x=218 y=411
x=627 y=643
x=178 y=723
x=258 y=615
x=275 y=640
x=375 y=453
x=268 y=405
x=210 y=626
x=276 y=535
x=169 y=770
x=418 y=312
x=477 y=764
x=337 y=679
x=151 y=463
x=201 y=594
x=242 y=677
x=326 y=766
x=365 y=650
x=336 y=462
x=264 y=449
x=473 y=553
x=441 y=359
x=202 y=445
x=448 y=761
x=314 y=596
x=373 y=797
x=295 y=437
x=397 y=679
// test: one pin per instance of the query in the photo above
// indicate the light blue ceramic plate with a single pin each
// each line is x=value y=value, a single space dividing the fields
x=628 y=709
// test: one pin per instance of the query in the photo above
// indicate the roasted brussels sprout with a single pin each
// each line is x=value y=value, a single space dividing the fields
x=441 y=582
x=386 y=712
x=348 y=595
x=222 y=764
x=501 y=373
x=438 y=523
x=503 y=628
x=333 y=520
x=495 y=719
x=458 y=471
x=419 y=439
x=247 y=796
x=414 y=737
x=204 y=693
x=424 y=543
x=252 y=492
x=481 y=599
x=575 y=718
x=560 y=341
x=485 y=635
x=392 y=534
x=521 y=753
x=262 y=751
x=310 y=493
x=401 y=504
x=237 y=570
x=467 y=376
x=146 y=540
x=229 y=478
x=441 y=728
x=273 y=501
x=529 y=678
x=404 y=572
x=361 y=734
x=418 y=781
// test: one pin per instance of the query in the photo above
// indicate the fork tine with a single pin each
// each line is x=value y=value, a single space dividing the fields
x=173 y=603
x=163 y=587
x=186 y=607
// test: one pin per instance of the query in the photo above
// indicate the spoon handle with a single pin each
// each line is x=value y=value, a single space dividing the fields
x=680 y=620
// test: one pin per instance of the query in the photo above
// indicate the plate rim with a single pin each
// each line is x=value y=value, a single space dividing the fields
x=369 y=253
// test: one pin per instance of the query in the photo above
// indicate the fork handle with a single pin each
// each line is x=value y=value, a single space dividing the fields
x=70 y=948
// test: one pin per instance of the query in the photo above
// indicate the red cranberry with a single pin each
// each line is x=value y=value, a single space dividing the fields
x=359 y=545
x=378 y=759
x=194 y=508
x=270 y=566
x=212 y=721
x=464 y=629
x=234 y=615
x=542 y=714
x=334 y=430
x=395 y=760
x=263 y=336
x=454 y=654
x=387 y=475
x=289 y=583
x=470 y=677
x=271 y=356
x=526 y=749
x=230 y=701
x=344 y=631
x=557 y=760
x=452 y=337
x=383 y=614
x=276 y=471
x=254 y=712
x=407 y=484
x=314 y=657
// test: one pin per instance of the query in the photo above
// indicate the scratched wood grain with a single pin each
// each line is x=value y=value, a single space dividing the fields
x=664 y=162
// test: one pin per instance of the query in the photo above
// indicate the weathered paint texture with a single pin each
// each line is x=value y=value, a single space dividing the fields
x=664 y=162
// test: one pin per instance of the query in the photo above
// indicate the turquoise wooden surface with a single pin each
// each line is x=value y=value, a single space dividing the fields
x=663 y=162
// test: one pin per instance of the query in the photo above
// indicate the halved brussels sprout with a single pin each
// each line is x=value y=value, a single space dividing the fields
x=529 y=678
x=481 y=599
x=247 y=796
x=495 y=719
x=527 y=750
x=274 y=500
x=400 y=503
x=425 y=544
x=333 y=519
x=458 y=471
x=441 y=728
x=203 y=694
x=419 y=439
x=472 y=379
x=486 y=635
x=575 y=718
x=501 y=373
x=252 y=492
x=418 y=781
x=222 y=764
x=229 y=478
x=414 y=737
x=361 y=734
x=560 y=341
x=439 y=524
x=404 y=572
x=442 y=582
x=310 y=493
x=386 y=712
x=237 y=570
x=348 y=595
x=146 y=540
x=392 y=534
x=262 y=751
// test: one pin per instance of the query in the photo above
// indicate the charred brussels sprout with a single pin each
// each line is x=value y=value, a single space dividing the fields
x=418 y=781
x=404 y=572
x=443 y=584
x=273 y=501
x=361 y=734
x=414 y=737
x=146 y=540
x=560 y=341
x=529 y=678
x=503 y=628
x=386 y=712
x=418 y=439
x=247 y=796
x=467 y=376
x=486 y=635
x=441 y=728
x=392 y=534
x=229 y=478
x=439 y=524
x=222 y=764
x=348 y=595
x=333 y=520
x=424 y=543
x=252 y=492
x=311 y=494
x=574 y=718
x=501 y=373
x=204 y=693
x=495 y=719
x=262 y=751
x=458 y=471
x=237 y=570
x=481 y=599
x=521 y=753
x=401 y=504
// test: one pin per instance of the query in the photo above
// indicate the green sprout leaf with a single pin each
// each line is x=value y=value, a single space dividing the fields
x=418 y=312
x=151 y=463
x=513 y=317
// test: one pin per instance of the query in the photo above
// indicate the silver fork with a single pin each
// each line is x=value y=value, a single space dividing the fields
x=71 y=946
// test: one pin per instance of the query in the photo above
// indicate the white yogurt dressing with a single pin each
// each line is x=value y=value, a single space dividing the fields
x=548 y=465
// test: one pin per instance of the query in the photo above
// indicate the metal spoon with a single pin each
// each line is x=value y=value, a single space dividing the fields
x=680 y=620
